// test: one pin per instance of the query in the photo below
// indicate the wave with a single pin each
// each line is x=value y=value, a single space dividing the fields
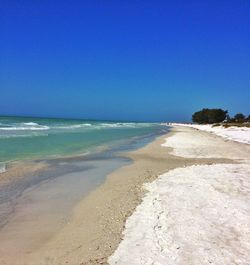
x=100 y=125
x=30 y=123
x=7 y=136
x=75 y=126
x=125 y=125
x=25 y=128
x=2 y=168
x=57 y=127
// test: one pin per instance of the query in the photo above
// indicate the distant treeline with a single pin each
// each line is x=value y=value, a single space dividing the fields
x=209 y=116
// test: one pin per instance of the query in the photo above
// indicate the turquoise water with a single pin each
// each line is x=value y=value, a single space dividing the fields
x=46 y=198
x=29 y=138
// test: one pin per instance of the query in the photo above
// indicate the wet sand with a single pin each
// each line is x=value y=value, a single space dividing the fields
x=17 y=170
x=95 y=229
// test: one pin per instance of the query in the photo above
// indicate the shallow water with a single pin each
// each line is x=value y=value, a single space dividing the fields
x=35 y=207
x=43 y=208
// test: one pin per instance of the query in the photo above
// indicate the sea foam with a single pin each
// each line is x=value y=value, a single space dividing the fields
x=2 y=168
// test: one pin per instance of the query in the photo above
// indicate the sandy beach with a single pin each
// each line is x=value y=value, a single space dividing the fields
x=195 y=214
x=97 y=225
x=125 y=133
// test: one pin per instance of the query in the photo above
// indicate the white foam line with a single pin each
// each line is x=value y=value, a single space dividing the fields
x=29 y=128
x=2 y=168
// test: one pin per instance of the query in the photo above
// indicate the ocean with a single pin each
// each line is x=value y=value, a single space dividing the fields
x=24 y=138
x=78 y=155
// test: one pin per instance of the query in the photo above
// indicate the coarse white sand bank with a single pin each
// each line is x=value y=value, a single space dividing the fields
x=238 y=134
x=197 y=214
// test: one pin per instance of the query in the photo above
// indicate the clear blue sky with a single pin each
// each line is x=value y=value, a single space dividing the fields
x=129 y=60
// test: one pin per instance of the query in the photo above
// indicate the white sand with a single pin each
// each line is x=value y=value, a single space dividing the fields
x=238 y=134
x=192 y=215
x=187 y=143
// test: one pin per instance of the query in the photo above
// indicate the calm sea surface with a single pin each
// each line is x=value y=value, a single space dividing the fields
x=78 y=154
x=24 y=138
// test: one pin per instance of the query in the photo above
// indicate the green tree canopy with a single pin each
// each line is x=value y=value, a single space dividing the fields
x=209 y=116
x=239 y=117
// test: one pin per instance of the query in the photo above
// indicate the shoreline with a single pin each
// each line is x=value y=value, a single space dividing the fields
x=24 y=175
x=96 y=227
x=21 y=174
x=98 y=221
x=195 y=214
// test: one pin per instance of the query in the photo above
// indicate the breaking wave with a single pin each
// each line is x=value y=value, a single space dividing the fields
x=32 y=126
x=20 y=128
x=2 y=167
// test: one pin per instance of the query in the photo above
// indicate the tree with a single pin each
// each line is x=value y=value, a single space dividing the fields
x=209 y=116
x=239 y=117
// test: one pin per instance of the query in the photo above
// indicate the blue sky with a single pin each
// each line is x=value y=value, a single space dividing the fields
x=129 y=60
